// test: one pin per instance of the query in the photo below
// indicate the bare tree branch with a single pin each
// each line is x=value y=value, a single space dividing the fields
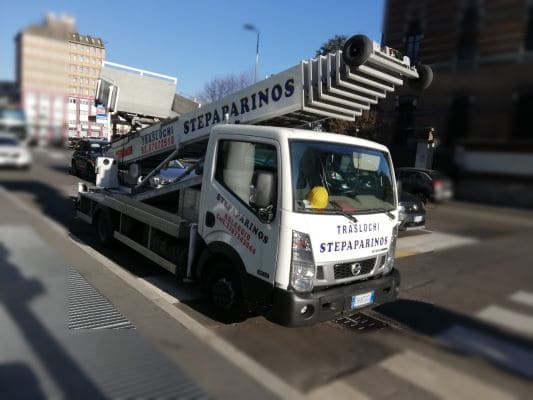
x=220 y=87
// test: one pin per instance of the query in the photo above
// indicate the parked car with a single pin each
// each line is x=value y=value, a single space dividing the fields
x=72 y=142
x=427 y=184
x=412 y=212
x=85 y=155
x=13 y=153
x=171 y=173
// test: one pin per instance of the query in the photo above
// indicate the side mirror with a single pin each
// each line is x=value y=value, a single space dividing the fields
x=263 y=193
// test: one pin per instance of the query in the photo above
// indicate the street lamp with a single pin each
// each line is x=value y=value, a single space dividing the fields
x=250 y=27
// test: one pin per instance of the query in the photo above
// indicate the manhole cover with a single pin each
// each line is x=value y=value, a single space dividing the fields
x=360 y=323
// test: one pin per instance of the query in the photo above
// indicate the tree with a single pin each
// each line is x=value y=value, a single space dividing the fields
x=332 y=45
x=220 y=87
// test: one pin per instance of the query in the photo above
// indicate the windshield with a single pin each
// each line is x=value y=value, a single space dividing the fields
x=328 y=177
x=97 y=147
x=8 y=141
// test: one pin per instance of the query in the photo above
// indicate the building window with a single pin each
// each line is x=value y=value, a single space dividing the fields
x=71 y=100
x=466 y=47
x=529 y=32
x=522 y=121
x=413 y=40
x=458 y=119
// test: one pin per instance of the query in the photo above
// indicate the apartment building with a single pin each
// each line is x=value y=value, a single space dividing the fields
x=480 y=102
x=57 y=69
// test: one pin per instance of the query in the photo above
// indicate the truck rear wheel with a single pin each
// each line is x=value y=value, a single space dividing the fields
x=225 y=293
x=104 y=229
x=356 y=50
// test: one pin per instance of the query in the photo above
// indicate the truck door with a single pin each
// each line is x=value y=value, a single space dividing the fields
x=229 y=217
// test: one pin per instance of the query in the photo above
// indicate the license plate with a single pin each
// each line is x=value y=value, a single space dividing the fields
x=418 y=218
x=361 y=300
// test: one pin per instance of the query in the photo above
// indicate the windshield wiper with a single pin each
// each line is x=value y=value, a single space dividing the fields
x=342 y=212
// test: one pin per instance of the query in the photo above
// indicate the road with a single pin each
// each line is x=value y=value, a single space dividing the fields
x=462 y=328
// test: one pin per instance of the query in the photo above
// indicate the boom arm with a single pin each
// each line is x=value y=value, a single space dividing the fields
x=339 y=85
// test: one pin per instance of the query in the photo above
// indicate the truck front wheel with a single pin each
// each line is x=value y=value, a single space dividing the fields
x=225 y=293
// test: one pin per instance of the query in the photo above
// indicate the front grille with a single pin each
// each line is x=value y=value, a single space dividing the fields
x=342 y=271
x=320 y=272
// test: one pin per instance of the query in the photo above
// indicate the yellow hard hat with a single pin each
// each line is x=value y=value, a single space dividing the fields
x=318 y=197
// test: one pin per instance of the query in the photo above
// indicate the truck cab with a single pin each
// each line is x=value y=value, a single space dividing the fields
x=301 y=220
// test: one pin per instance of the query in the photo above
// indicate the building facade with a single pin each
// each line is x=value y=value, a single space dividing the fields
x=479 y=105
x=57 y=69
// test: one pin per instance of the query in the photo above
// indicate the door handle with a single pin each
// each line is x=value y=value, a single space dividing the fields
x=209 y=219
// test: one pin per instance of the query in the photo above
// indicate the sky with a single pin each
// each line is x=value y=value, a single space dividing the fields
x=197 y=41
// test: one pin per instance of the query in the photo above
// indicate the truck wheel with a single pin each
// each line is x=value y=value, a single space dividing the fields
x=425 y=77
x=225 y=293
x=104 y=229
x=356 y=50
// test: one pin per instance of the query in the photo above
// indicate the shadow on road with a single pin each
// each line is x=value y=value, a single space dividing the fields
x=19 y=381
x=464 y=334
x=51 y=201
x=16 y=292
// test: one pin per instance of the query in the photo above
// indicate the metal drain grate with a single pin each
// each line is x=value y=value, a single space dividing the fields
x=360 y=323
x=88 y=309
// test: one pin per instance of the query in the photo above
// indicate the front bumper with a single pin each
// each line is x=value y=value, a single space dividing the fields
x=15 y=162
x=412 y=220
x=331 y=303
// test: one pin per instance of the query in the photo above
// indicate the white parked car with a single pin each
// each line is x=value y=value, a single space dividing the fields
x=13 y=153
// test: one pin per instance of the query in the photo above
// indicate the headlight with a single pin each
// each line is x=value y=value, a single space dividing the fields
x=302 y=262
x=401 y=208
x=389 y=261
x=155 y=181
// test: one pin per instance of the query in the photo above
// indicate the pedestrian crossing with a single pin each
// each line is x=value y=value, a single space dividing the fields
x=500 y=334
x=431 y=241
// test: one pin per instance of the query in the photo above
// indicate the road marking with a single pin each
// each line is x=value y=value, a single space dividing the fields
x=337 y=390
x=515 y=321
x=501 y=352
x=404 y=253
x=522 y=297
x=435 y=241
x=260 y=374
x=440 y=380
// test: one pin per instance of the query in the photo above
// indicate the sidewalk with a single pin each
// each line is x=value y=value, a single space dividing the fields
x=72 y=329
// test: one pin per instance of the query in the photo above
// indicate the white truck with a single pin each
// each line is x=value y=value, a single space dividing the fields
x=299 y=222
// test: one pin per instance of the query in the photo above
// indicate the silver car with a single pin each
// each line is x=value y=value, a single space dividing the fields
x=171 y=173
x=13 y=153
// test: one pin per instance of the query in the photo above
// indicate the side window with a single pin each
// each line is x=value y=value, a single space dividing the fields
x=237 y=161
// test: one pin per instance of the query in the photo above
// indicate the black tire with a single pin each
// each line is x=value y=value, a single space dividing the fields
x=356 y=50
x=104 y=229
x=225 y=294
x=425 y=77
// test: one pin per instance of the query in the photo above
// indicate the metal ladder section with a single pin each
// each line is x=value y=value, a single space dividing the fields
x=334 y=89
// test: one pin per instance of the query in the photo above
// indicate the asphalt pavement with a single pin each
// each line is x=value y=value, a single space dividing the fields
x=462 y=327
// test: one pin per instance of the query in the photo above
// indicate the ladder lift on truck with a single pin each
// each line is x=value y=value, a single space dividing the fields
x=302 y=224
